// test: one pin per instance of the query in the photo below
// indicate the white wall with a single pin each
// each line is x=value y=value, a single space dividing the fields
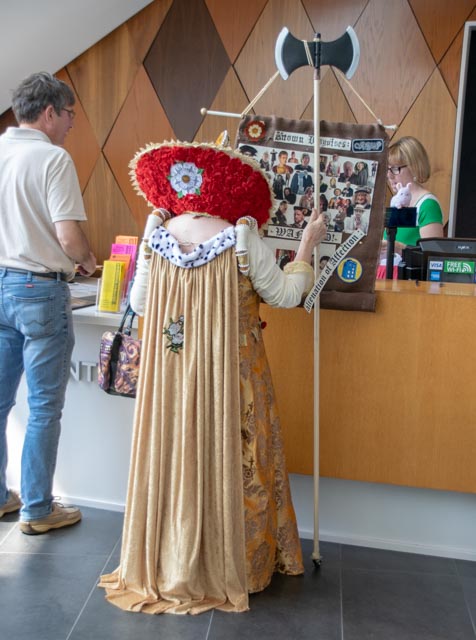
x=439 y=523
x=45 y=35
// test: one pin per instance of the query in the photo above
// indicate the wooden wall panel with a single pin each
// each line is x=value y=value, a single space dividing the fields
x=81 y=141
x=331 y=18
x=108 y=213
x=255 y=65
x=424 y=123
x=388 y=33
x=102 y=77
x=142 y=120
x=187 y=64
x=333 y=105
x=401 y=42
x=439 y=34
x=143 y=27
x=230 y=98
x=450 y=65
x=235 y=21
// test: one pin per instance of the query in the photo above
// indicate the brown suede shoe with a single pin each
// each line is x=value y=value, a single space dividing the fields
x=12 y=504
x=59 y=517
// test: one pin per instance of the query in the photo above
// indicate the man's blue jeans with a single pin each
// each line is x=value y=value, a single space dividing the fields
x=36 y=336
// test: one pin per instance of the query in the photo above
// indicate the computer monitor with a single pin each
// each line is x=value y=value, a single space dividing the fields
x=449 y=259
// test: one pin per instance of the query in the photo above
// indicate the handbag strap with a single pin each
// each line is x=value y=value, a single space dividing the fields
x=127 y=320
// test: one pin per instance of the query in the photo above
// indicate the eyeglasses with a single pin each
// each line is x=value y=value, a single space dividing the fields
x=396 y=170
x=70 y=112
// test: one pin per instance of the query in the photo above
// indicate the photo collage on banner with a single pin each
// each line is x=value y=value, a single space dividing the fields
x=350 y=193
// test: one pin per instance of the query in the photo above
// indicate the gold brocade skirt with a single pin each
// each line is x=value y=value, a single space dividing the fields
x=271 y=536
x=206 y=441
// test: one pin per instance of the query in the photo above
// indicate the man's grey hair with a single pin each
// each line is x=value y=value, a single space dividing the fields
x=37 y=92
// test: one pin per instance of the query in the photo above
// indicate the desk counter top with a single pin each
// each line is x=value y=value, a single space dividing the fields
x=90 y=315
x=418 y=287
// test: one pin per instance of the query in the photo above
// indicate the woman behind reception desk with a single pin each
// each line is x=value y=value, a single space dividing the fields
x=408 y=164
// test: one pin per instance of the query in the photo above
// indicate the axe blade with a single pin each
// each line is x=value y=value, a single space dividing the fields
x=343 y=53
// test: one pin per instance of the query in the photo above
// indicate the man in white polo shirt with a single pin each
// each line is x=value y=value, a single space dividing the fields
x=40 y=241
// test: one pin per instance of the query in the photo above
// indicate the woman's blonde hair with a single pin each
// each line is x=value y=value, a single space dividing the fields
x=410 y=151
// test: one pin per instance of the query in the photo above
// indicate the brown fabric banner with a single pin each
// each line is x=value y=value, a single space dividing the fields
x=352 y=175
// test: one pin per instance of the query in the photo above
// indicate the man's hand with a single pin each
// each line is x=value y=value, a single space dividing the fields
x=88 y=267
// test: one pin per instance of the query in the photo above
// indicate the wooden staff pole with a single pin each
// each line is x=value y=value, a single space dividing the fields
x=316 y=556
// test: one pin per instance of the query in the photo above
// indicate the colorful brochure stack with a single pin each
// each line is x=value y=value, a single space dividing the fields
x=117 y=275
x=125 y=249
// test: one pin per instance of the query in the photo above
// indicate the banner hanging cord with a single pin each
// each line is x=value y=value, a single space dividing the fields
x=378 y=120
x=308 y=53
x=311 y=64
x=258 y=96
x=272 y=79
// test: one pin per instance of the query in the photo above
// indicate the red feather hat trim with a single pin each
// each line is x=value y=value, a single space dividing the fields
x=201 y=178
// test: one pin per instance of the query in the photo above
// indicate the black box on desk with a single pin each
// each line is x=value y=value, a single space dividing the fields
x=411 y=267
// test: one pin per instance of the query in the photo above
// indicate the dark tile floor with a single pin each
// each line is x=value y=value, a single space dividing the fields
x=48 y=592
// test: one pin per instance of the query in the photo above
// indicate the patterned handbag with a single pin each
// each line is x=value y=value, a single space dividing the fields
x=119 y=359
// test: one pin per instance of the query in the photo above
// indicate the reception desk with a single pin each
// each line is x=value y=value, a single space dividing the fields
x=397 y=398
x=395 y=410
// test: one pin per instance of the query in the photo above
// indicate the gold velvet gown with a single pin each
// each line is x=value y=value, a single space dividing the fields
x=208 y=516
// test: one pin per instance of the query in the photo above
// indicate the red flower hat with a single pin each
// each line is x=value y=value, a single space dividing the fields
x=201 y=178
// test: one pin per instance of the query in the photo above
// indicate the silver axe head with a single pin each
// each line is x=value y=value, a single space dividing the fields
x=343 y=53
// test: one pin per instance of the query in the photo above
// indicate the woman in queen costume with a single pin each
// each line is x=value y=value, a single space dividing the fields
x=209 y=516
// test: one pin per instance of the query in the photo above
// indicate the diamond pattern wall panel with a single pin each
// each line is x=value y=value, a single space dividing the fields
x=388 y=32
x=235 y=21
x=148 y=79
x=143 y=27
x=142 y=120
x=439 y=33
x=255 y=64
x=450 y=65
x=81 y=141
x=436 y=133
x=108 y=213
x=187 y=64
x=102 y=77
x=331 y=18
x=333 y=105
x=231 y=99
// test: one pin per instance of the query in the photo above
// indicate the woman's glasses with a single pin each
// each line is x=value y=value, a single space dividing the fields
x=396 y=170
